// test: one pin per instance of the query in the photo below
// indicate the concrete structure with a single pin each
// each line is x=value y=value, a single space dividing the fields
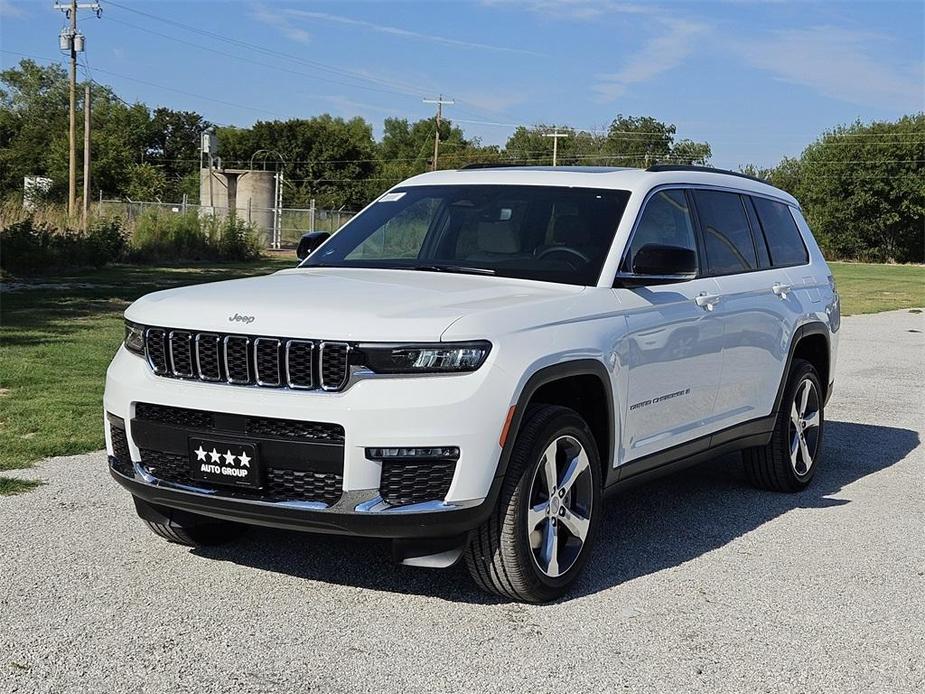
x=249 y=193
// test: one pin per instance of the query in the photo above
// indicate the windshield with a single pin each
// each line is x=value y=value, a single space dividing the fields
x=555 y=234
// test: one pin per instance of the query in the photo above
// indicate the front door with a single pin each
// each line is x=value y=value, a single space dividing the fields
x=672 y=352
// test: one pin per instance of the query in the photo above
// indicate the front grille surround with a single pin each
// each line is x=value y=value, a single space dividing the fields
x=264 y=361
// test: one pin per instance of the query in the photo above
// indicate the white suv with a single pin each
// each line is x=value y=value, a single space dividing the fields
x=475 y=359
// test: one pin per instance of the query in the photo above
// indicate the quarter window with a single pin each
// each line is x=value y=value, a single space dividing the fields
x=665 y=221
x=726 y=234
x=781 y=232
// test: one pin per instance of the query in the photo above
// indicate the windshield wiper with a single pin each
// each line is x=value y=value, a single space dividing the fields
x=461 y=269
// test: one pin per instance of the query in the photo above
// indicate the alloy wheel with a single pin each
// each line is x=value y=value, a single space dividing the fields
x=804 y=427
x=561 y=499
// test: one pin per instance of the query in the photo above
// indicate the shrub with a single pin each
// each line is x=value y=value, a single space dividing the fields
x=168 y=236
x=30 y=246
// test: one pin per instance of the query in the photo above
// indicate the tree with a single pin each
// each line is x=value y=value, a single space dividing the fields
x=33 y=115
x=145 y=182
x=862 y=188
x=173 y=144
x=637 y=141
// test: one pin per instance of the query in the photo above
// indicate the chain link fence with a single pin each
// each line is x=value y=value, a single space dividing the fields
x=278 y=227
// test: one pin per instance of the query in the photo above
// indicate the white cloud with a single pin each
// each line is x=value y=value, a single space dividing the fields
x=400 y=32
x=11 y=11
x=577 y=10
x=837 y=63
x=263 y=14
x=657 y=55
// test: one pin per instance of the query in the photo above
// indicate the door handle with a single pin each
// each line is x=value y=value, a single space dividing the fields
x=782 y=290
x=707 y=301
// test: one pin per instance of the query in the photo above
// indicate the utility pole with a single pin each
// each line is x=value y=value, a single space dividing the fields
x=73 y=41
x=555 y=135
x=86 y=210
x=440 y=101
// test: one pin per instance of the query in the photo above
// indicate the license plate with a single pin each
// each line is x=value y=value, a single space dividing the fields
x=224 y=462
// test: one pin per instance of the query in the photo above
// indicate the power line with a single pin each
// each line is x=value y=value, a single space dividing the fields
x=395 y=87
x=152 y=84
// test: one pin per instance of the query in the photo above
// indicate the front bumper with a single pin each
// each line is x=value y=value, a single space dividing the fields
x=354 y=514
x=464 y=411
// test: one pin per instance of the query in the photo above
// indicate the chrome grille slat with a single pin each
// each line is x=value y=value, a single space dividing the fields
x=156 y=350
x=237 y=365
x=208 y=356
x=265 y=361
x=299 y=364
x=334 y=365
x=179 y=346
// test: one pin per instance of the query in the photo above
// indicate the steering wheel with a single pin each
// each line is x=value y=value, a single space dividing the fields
x=564 y=249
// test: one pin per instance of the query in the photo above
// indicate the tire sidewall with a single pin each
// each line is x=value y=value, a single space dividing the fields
x=565 y=423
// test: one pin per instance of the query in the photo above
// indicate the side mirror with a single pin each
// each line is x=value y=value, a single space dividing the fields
x=657 y=263
x=309 y=242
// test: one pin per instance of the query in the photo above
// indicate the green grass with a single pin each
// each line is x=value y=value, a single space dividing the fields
x=56 y=342
x=55 y=345
x=869 y=288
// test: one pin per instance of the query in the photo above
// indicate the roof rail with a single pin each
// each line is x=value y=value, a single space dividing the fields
x=704 y=169
x=490 y=165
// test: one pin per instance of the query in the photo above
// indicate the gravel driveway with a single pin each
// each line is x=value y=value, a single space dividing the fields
x=699 y=582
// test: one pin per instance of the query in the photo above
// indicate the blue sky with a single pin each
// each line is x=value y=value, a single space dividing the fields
x=757 y=79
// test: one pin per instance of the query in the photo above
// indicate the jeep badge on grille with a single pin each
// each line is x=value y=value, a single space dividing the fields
x=237 y=317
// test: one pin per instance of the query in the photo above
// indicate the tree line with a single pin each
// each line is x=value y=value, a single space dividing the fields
x=862 y=186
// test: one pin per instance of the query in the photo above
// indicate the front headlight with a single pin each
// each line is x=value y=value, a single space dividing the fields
x=450 y=357
x=134 y=338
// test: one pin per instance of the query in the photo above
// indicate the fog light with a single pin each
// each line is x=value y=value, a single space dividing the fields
x=432 y=453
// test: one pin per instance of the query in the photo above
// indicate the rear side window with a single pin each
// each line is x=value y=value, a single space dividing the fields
x=727 y=238
x=781 y=232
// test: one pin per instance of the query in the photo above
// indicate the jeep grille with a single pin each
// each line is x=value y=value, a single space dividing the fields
x=270 y=362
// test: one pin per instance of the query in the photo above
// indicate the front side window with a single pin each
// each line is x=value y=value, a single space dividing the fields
x=531 y=232
x=665 y=221
x=727 y=237
x=781 y=233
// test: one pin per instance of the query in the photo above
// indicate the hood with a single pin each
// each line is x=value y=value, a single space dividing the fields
x=340 y=304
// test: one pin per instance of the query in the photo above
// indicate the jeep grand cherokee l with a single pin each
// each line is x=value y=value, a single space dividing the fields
x=472 y=362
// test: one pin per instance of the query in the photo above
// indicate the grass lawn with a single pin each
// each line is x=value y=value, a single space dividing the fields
x=55 y=344
x=57 y=340
x=869 y=288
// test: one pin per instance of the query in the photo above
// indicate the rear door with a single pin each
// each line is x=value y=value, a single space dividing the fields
x=672 y=352
x=755 y=308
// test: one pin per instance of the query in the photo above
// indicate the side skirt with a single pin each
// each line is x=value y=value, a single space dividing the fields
x=756 y=432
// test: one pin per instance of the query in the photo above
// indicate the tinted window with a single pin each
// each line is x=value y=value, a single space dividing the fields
x=781 y=232
x=726 y=234
x=532 y=232
x=666 y=220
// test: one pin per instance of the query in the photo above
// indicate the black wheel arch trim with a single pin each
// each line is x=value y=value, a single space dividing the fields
x=558 y=372
x=815 y=327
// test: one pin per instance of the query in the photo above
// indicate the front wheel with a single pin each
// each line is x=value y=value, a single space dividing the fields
x=789 y=461
x=538 y=539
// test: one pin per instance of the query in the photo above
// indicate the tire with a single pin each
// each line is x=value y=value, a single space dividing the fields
x=506 y=558
x=185 y=528
x=781 y=465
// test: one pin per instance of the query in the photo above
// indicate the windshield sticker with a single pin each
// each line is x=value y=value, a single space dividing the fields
x=391 y=197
